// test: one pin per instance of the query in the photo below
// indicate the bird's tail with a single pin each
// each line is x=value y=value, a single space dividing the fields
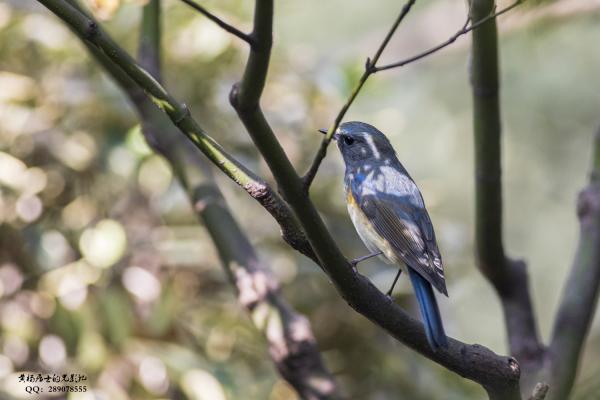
x=434 y=329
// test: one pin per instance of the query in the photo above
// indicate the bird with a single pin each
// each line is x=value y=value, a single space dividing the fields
x=389 y=215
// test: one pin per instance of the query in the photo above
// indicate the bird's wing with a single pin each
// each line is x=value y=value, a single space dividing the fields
x=409 y=231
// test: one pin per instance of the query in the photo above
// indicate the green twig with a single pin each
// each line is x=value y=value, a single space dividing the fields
x=295 y=355
x=99 y=42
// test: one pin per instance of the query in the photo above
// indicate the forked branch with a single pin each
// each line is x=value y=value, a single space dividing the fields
x=467 y=27
x=372 y=68
x=95 y=37
x=580 y=294
x=289 y=336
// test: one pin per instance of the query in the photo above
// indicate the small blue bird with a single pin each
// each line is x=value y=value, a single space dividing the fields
x=389 y=214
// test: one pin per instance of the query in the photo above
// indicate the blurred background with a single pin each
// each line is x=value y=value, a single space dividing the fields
x=104 y=269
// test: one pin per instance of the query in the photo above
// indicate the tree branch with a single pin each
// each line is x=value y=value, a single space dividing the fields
x=466 y=28
x=498 y=375
x=291 y=343
x=580 y=294
x=99 y=42
x=370 y=68
x=229 y=28
x=508 y=277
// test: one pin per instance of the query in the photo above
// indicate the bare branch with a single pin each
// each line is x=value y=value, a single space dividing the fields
x=466 y=28
x=580 y=294
x=498 y=375
x=508 y=277
x=229 y=28
x=370 y=68
x=292 y=345
x=142 y=84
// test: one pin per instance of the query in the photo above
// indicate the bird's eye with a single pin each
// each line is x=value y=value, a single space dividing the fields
x=348 y=140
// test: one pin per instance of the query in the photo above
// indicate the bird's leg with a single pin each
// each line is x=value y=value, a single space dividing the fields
x=363 y=258
x=389 y=293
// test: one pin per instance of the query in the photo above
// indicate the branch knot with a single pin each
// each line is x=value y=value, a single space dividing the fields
x=91 y=31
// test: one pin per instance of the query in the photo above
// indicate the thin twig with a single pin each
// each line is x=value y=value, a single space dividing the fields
x=370 y=68
x=229 y=28
x=463 y=31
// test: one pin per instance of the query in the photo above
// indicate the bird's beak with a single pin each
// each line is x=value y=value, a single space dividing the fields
x=324 y=132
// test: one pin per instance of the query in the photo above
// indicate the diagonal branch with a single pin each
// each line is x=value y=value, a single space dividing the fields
x=580 y=294
x=100 y=42
x=229 y=28
x=498 y=375
x=370 y=68
x=466 y=28
x=508 y=277
x=292 y=345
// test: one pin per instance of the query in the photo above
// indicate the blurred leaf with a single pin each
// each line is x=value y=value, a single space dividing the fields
x=68 y=325
x=163 y=312
x=116 y=316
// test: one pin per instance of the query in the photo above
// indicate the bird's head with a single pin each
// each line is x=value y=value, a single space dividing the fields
x=362 y=143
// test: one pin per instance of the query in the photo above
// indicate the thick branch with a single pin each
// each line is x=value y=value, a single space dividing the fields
x=580 y=295
x=224 y=25
x=370 y=68
x=145 y=85
x=499 y=375
x=292 y=345
x=508 y=277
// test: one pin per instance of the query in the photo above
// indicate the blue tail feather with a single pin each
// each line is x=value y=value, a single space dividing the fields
x=434 y=329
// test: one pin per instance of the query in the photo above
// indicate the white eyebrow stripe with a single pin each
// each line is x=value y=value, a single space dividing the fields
x=371 y=144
